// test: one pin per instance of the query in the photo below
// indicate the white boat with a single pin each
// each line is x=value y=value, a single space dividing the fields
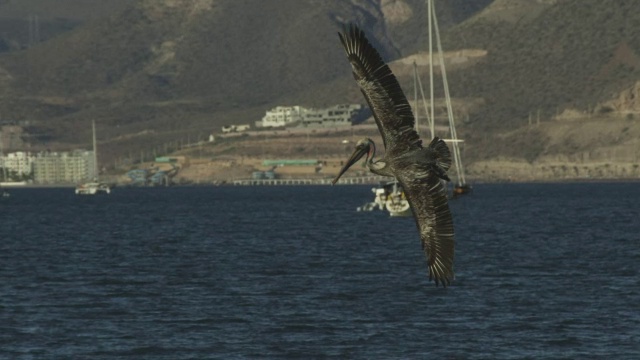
x=390 y=197
x=397 y=204
x=94 y=187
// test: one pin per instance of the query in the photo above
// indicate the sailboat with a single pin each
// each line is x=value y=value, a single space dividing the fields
x=94 y=187
x=460 y=186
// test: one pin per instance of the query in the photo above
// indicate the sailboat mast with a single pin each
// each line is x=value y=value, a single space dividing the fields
x=95 y=150
x=431 y=13
x=415 y=95
x=416 y=78
x=445 y=83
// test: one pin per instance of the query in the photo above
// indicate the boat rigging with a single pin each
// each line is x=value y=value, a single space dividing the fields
x=460 y=186
x=93 y=187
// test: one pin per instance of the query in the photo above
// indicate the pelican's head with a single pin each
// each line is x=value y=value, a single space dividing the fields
x=363 y=147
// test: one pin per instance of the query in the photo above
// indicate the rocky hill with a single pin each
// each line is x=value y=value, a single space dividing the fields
x=191 y=66
x=153 y=71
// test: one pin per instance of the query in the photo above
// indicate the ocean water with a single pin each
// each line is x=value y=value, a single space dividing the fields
x=543 y=271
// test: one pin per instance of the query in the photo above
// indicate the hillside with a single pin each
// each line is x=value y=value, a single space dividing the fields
x=614 y=155
x=155 y=71
x=572 y=54
x=203 y=62
x=25 y=23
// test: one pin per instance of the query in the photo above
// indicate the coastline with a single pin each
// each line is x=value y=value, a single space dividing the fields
x=306 y=182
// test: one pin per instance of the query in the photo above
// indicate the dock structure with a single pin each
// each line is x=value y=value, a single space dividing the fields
x=357 y=180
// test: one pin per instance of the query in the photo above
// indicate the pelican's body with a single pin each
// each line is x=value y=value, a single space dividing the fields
x=418 y=169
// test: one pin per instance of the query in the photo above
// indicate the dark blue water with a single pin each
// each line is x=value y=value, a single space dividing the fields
x=542 y=271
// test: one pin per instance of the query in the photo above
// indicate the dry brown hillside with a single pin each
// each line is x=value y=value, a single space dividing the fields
x=159 y=71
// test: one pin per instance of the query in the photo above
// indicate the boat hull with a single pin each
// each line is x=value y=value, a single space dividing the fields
x=389 y=196
x=459 y=190
x=399 y=209
x=93 y=189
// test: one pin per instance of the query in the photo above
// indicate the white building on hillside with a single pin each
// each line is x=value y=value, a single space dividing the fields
x=235 y=128
x=281 y=116
x=64 y=167
x=337 y=115
x=51 y=167
x=20 y=162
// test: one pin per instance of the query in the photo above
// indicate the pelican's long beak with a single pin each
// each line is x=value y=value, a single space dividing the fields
x=357 y=155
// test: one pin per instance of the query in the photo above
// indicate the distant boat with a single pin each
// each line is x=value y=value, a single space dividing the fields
x=94 y=187
x=5 y=193
x=397 y=204
x=389 y=196
x=461 y=189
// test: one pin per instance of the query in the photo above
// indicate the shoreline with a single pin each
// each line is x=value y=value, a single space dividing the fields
x=306 y=182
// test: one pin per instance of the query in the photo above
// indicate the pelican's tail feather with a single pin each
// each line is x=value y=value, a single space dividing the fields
x=443 y=156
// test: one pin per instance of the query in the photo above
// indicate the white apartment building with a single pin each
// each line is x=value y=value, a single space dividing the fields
x=20 y=162
x=64 y=167
x=338 y=115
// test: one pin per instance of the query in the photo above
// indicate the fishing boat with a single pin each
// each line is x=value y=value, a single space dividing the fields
x=94 y=187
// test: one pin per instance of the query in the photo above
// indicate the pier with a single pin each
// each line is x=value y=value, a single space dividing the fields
x=359 y=180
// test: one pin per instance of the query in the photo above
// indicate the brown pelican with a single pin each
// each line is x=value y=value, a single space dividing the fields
x=418 y=169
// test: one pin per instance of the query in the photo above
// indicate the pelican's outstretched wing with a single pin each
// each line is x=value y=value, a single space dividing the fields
x=382 y=91
x=428 y=200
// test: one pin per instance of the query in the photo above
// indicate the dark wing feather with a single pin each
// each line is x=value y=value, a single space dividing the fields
x=428 y=200
x=441 y=153
x=382 y=91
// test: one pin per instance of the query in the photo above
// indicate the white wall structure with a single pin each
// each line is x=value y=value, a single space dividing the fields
x=281 y=116
x=337 y=115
